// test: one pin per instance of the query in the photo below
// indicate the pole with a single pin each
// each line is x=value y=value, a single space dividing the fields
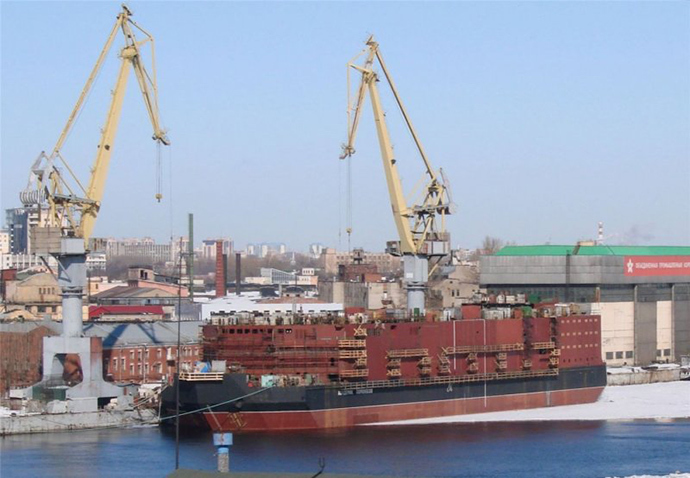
x=177 y=362
x=190 y=257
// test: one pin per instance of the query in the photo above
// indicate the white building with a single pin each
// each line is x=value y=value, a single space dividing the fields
x=253 y=304
x=316 y=249
x=4 y=242
x=96 y=261
x=25 y=261
x=208 y=248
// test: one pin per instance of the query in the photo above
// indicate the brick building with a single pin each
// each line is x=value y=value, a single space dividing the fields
x=132 y=352
x=21 y=355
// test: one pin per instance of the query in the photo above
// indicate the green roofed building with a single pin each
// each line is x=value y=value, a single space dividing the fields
x=641 y=292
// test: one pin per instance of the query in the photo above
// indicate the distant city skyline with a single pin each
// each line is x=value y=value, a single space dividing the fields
x=547 y=117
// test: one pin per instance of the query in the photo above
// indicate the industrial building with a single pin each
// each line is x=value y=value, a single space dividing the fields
x=641 y=293
x=331 y=260
x=252 y=303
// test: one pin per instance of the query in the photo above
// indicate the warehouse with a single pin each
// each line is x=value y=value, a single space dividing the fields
x=641 y=292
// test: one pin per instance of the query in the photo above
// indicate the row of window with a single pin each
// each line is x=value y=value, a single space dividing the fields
x=577 y=321
x=145 y=368
x=253 y=331
x=619 y=355
x=590 y=332
x=629 y=354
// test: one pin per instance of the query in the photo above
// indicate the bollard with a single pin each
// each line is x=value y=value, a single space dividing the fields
x=222 y=442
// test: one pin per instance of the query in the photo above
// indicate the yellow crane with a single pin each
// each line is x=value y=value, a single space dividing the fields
x=421 y=226
x=71 y=207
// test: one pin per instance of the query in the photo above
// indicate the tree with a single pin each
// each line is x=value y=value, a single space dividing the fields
x=491 y=245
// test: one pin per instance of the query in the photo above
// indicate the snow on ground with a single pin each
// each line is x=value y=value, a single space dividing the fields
x=672 y=475
x=648 y=401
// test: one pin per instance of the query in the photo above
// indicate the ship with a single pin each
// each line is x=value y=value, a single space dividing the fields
x=315 y=375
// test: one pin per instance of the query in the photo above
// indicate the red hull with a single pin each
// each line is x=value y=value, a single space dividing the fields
x=349 y=417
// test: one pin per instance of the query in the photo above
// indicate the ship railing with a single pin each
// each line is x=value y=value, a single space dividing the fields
x=201 y=376
x=352 y=344
x=352 y=354
x=466 y=349
x=450 y=379
x=354 y=373
x=404 y=353
x=543 y=345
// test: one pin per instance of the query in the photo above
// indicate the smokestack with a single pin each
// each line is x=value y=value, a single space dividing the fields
x=600 y=233
x=190 y=256
x=238 y=272
x=221 y=283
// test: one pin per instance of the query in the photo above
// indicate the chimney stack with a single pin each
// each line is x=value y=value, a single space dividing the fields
x=238 y=272
x=221 y=283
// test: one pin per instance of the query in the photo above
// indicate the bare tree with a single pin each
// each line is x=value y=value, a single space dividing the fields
x=491 y=245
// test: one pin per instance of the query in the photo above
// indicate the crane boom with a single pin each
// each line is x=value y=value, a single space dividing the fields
x=71 y=207
x=421 y=236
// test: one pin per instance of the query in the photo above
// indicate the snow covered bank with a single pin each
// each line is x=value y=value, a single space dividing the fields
x=649 y=401
x=668 y=372
x=672 y=475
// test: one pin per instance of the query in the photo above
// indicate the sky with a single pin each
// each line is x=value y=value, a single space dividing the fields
x=547 y=117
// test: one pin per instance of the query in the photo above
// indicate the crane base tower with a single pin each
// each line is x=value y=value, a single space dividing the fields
x=92 y=391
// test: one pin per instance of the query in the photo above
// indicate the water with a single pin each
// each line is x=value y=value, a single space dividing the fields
x=532 y=449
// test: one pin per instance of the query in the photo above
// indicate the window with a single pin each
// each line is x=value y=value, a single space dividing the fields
x=115 y=365
x=667 y=352
x=123 y=363
x=629 y=354
x=131 y=368
x=619 y=355
x=658 y=352
x=159 y=353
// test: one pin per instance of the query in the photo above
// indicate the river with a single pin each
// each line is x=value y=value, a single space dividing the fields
x=526 y=449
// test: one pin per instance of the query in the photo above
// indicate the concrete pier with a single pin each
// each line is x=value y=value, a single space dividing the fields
x=55 y=422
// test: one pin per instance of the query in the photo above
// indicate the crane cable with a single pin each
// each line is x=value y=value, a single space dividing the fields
x=349 y=203
x=159 y=194
x=340 y=204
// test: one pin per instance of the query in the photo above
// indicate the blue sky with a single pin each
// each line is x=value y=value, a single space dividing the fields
x=546 y=116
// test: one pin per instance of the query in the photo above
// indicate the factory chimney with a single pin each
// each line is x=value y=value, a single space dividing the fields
x=238 y=272
x=221 y=266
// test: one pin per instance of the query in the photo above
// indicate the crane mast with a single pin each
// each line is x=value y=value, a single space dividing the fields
x=420 y=226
